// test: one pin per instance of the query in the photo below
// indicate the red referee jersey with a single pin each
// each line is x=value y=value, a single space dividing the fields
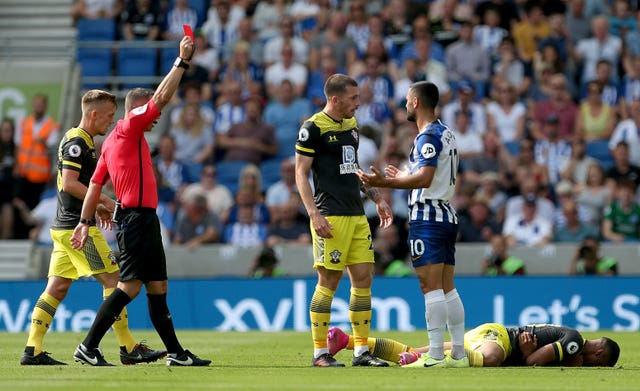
x=127 y=161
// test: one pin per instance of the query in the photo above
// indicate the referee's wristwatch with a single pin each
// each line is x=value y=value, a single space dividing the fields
x=180 y=63
x=86 y=221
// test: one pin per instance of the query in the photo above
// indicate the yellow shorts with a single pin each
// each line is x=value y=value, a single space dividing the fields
x=96 y=257
x=351 y=243
x=488 y=332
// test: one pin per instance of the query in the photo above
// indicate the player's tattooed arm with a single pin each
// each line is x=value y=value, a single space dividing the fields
x=371 y=192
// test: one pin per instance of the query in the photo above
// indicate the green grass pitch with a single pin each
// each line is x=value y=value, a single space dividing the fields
x=281 y=361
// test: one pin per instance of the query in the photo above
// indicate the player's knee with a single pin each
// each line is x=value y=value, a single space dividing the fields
x=58 y=288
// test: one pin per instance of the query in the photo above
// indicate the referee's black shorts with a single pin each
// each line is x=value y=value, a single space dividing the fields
x=140 y=241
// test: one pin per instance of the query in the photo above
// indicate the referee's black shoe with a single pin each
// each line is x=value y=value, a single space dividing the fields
x=186 y=359
x=92 y=357
x=43 y=358
x=367 y=360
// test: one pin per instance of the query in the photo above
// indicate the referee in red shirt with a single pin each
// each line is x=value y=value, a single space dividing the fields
x=126 y=160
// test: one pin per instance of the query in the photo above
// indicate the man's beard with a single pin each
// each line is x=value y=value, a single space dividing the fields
x=411 y=116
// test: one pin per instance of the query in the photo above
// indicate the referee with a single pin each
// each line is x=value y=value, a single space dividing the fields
x=126 y=160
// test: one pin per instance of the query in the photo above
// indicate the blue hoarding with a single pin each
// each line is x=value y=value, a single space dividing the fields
x=282 y=304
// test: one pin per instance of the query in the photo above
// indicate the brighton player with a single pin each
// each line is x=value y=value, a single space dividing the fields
x=493 y=345
x=433 y=223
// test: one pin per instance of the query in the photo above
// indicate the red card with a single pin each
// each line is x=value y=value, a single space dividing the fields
x=187 y=31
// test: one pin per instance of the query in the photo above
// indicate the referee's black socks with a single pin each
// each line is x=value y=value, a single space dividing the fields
x=161 y=319
x=107 y=314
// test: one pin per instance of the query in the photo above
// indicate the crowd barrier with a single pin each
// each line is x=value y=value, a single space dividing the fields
x=234 y=304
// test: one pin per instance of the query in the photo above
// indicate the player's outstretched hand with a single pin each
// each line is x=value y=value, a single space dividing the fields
x=376 y=178
x=80 y=235
x=187 y=48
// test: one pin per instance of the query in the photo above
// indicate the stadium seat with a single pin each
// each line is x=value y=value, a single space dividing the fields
x=270 y=171
x=137 y=62
x=167 y=57
x=513 y=147
x=228 y=174
x=599 y=150
x=96 y=30
x=95 y=62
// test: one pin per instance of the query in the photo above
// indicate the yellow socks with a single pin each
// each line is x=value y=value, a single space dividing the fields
x=41 y=319
x=320 y=315
x=360 y=317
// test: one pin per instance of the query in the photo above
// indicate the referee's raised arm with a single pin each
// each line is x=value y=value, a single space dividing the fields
x=169 y=84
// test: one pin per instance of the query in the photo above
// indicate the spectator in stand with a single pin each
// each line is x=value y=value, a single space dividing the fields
x=528 y=228
x=526 y=168
x=434 y=70
x=198 y=75
x=421 y=31
x=623 y=168
x=36 y=136
x=172 y=171
x=508 y=67
x=467 y=60
x=357 y=27
x=499 y=263
x=469 y=143
x=594 y=194
x=273 y=47
x=558 y=104
x=249 y=193
x=631 y=46
x=528 y=186
x=205 y=56
x=245 y=230
x=576 y=169
x=610 y=87
x=177 y=16
x=494 y=159
x=282 y=191
x=594 y=120
x=286 y=113
x=380 y=82
x=286 y=69
x=630 y=88
x=193 y=137
x=622 y=217
x=376 y=48
x=265 y=264
x=541 y=88
x=628 y=131
x=408 y=74
x=496 y=199
x=480 y=224
x=195 y=224
x=375 y=114
x=390 y=253
x=551 y=150
x=508 y=11
x=231 y=109
x=251 y=140
x=240 y=69
x=572 y=229
x=547 y=57
x=344 y=49
x=621 y=19
x=464 y=102
x=142 y=20
x=489 y=34
x=221 y=25
x=447 y=17
x=96 y=9
x=578 y=22
x=289 y=225
x=505 y=114
x=219 y=198
x=267 y=17
x=558 y=38
x=7 y=180
x=587 y=260
x=398 y=26
x=245 y=34
x=602 y=45
x=528 y=32
x=315 y=87
x=192 y=95
x=40 y=218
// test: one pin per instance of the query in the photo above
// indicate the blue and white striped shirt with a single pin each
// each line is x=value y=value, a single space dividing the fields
x=435 y=146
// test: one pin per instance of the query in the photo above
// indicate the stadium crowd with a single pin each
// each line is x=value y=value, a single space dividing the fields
x=544 y=97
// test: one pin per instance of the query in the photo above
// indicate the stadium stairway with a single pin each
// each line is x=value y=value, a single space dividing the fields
x=36 y=28
x=14 y=263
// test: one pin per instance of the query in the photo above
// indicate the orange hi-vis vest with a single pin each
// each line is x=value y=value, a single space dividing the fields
x=33 y=157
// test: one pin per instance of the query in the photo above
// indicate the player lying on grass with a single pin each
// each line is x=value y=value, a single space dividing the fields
x=493 y=345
